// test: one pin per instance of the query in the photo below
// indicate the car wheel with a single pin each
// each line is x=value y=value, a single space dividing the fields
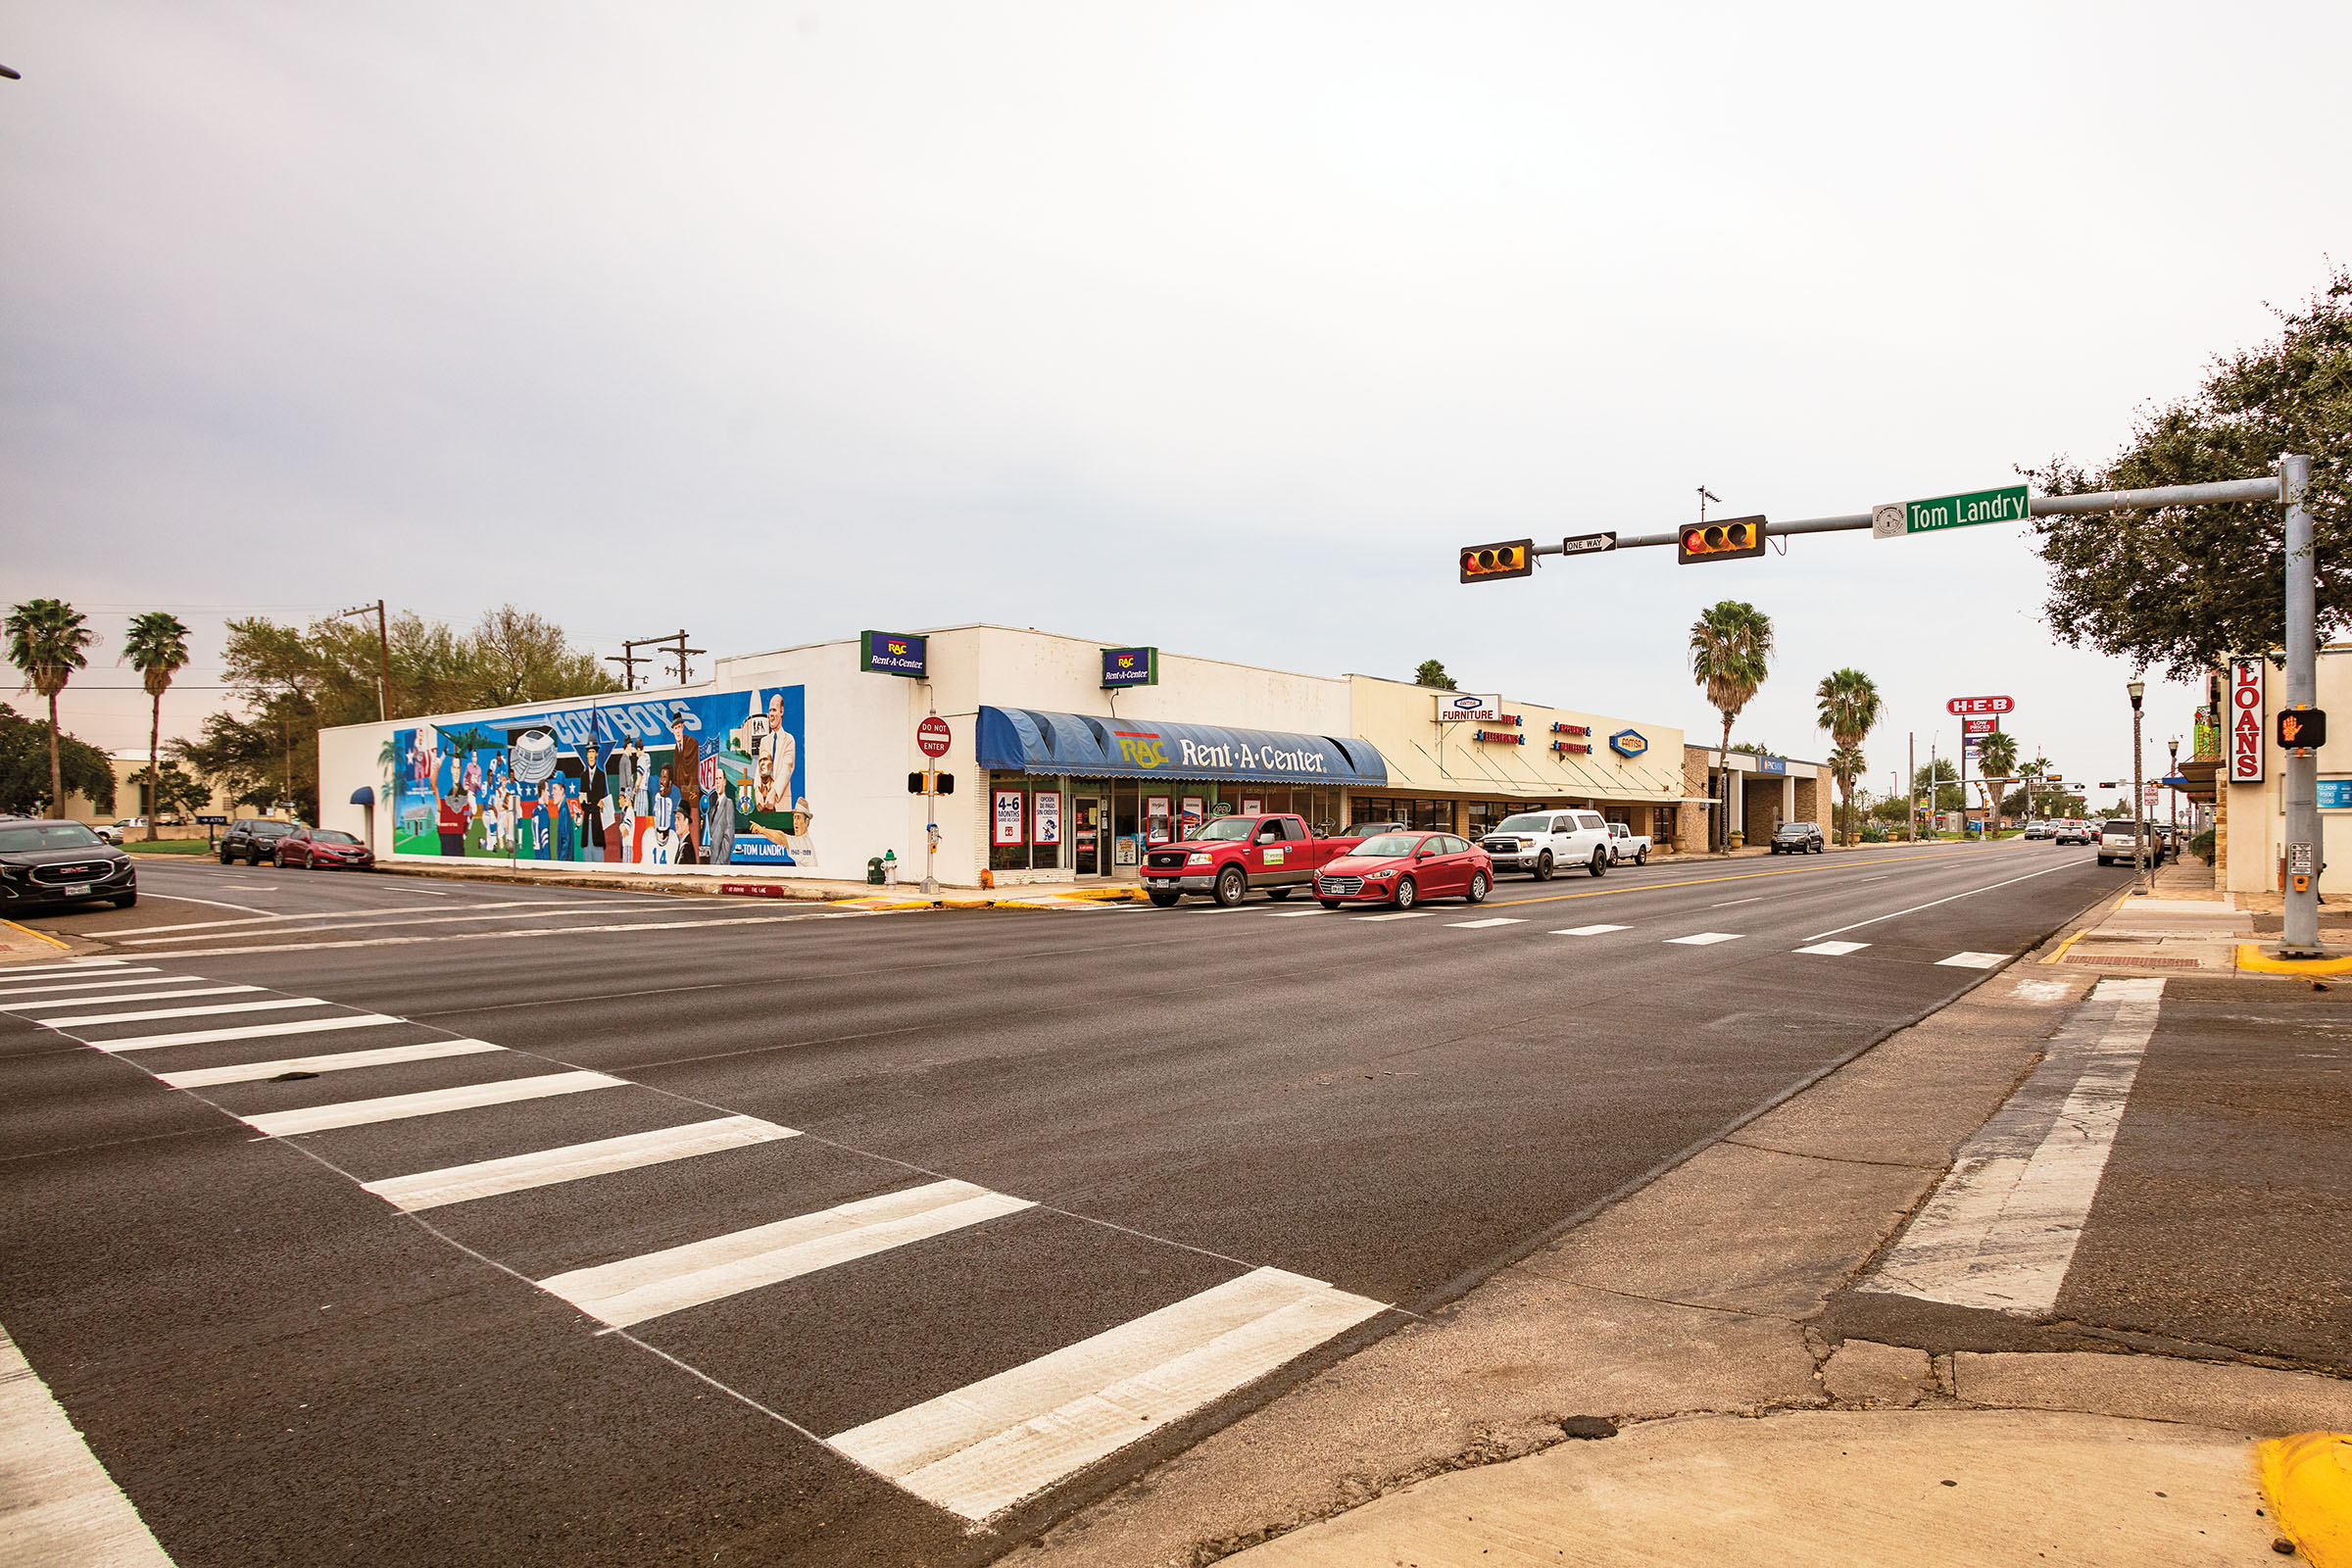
x=1333 y=904
x=1478 y=888
x=1600 y=863
x=1278 y=894
x=1543 y=867
x=226 y=858
x=1642 y=857
x=1231 y=886
x=126 y=901
x=1165 y=901
x=1407 y=895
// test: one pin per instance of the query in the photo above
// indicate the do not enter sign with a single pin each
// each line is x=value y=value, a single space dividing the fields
x=1979 y=704
x=932 y=736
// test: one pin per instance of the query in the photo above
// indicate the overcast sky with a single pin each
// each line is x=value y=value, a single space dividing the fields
x=1213 y=326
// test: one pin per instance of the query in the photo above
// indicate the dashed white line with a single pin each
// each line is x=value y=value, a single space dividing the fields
x=1396 y=914
x=1590 y=930
x=1482 y=925
x=1974 y=961
x=1834 y=949
x=1704 y=939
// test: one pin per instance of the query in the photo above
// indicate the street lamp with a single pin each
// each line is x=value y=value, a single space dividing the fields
x=2174 y=744
x=2139 y=836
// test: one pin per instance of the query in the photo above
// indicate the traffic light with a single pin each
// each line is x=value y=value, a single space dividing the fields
x=2302 y=729
x=1732 y=539
x=1516 y=557
x=945 y=783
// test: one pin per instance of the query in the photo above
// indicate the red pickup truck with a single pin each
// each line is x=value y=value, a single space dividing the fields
x=1230 y=855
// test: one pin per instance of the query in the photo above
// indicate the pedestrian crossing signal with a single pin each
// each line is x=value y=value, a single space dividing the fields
x=941 y=783
x=1485 y=563
x=2302 y=729
x=1732 y=539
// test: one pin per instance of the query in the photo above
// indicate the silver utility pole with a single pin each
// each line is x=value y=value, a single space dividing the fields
x=2300 y=768
x=2139 y=815
x=1911 y=761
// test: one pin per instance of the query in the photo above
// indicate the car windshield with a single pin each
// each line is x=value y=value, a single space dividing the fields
x=270 y=830
x=1227 y=827
x=1524 y=824
x=47 y=836
x=2124 y=827
x=1388 y=847
x=1796 y=828
x=333 y=835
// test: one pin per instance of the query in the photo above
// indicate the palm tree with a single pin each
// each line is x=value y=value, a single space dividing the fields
x=1997 y=754
x=158 y=649
x=1849 y=710
x=1731 y=654
x=45 y=640
x=1847 y=766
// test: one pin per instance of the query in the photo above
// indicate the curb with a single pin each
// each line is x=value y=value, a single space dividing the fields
x=2251 y=957
x=2308 y=1479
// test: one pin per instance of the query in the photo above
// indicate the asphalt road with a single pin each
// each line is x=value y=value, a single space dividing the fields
x=1032 y=1199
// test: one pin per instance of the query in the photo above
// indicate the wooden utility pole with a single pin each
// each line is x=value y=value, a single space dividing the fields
x=383 y=657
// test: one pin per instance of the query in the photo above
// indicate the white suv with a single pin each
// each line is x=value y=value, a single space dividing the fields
x=1545 y=842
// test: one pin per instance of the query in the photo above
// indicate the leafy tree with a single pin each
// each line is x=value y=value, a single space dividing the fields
x=176 y=792
x=1847 y=764
x=1432 y=674
x=45 y=640
x=28 y=756
x=1940 y=779
x=2185 y=587
x=1849 y=710
x=1731 y=654
x=1997 y=754
x=295 y=681
x=158 y=649
x=1753 y=748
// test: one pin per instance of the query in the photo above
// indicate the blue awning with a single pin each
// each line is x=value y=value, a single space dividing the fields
x=1030 y=740
x=365 y=795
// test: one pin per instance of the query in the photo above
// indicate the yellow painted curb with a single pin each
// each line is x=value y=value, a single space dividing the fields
x=2308 y=1478
x=38 y=936
x=2250 y=957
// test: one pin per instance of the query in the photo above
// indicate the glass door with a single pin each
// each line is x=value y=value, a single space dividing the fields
x=1089 y=841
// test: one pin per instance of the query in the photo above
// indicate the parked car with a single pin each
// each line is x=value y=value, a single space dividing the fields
x=1366 y=830
x=1627 y=845
x=2041 y=830
x=111 y=832
x=2115 y=842
x=1403 y=868
x=1230 y=855
x=2072 y=830
x=252 y=839
x=322 y=849
x=1798 y=838
x=1545 y=843
x=45 y=861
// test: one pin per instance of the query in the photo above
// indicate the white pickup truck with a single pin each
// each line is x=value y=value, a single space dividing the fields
x=1545 y=843
x=1627 y=845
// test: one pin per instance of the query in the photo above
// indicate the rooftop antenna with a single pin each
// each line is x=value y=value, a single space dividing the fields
x=1706 y=495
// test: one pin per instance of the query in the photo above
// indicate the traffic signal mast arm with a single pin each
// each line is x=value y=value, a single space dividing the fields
x=2174 y=495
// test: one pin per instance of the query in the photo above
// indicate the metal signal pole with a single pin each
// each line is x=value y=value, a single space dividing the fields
x=2299 y=771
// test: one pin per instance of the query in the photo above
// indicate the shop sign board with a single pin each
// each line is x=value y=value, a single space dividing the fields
x=2336 y=795
x=1772 y=764
x=1155 y=820
x=1252 y=806
x=1979 y=726
x=1459 y=707
x=1629 y=743
x=1130 y=666
x=1965 y=706
x=932 y=736
x=212 y=822
x=890 y=653
x=2246 y=676
x=1008 y=816
x=1896 y=520
x=1191 y=816
x=1046 y=816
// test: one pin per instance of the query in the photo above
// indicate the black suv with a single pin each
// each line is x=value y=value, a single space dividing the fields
x=62 y=862
x=1798 y=838
x=253 y=837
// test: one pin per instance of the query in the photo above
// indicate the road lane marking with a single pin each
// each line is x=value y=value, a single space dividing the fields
x=679 y=1277
x=78 y=966
x=251 y=1031
x=1397 y=914
x=110 y=1000
x=61 y=1020
x=460 y=1184
x=214 y=903
x=1590 y=930
x=150 y=977
x=1999 y=1233
x=382 y=1057
x=1704 y=939
x=1955 y=898
x=1834 y=949
x=183 y=954
x=427 y=1103
x=985 y=1446
x=1277 y=915
x=1480 y=925
x=63 y=1507
x=1750 y=876
x=1974 y=961
x=1728 y=902
x=516 y=910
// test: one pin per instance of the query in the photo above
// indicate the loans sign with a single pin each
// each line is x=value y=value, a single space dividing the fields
x=2245 y=721
x=1897 y=519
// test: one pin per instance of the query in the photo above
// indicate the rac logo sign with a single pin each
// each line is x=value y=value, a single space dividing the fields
x=1141 y=749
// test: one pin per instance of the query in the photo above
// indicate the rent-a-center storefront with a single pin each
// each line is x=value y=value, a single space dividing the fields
x=1065 y=759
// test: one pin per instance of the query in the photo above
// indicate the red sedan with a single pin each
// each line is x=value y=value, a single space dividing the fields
x=324 y=849
x=1403 y=868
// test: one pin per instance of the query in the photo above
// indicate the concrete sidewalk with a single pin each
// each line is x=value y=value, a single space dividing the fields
x=1682 y=1333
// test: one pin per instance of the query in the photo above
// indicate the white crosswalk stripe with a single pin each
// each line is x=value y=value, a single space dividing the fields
x=428 y=1103
x=668 y=1281
x=78 y=1020
x=136 y=975
x=339 y=1061
x=78 y=967
x=983 y=1447
x=1590 y=930
x=1834 y=949
x=249 y=1031
x=1394 y=914
x=1704 y=939
x=1482 y=925
x=460 y=1183
x=112 y=999
x=1974 y=961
